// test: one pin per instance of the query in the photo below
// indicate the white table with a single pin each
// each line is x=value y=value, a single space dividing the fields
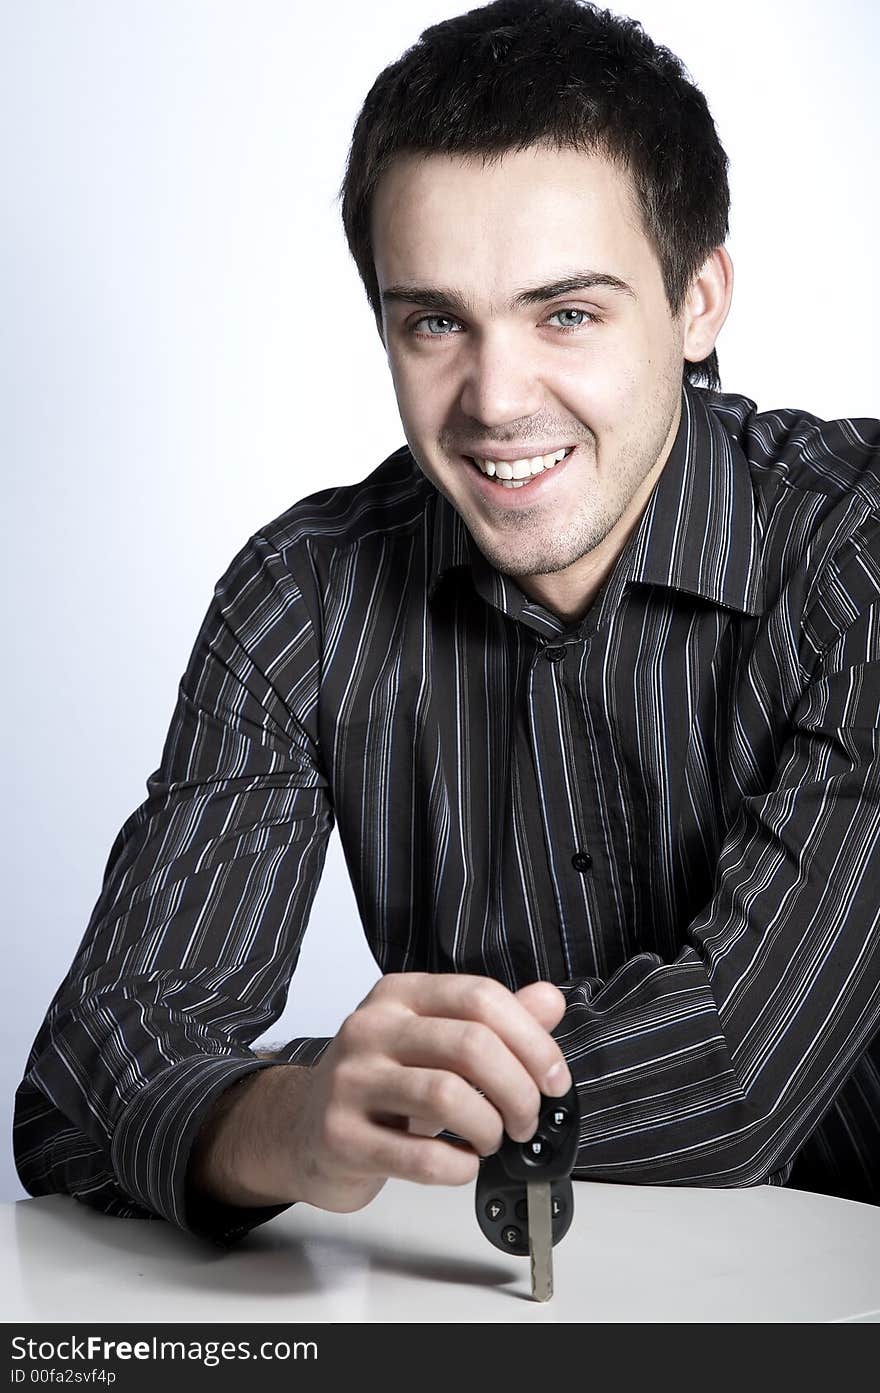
x=633 y=1253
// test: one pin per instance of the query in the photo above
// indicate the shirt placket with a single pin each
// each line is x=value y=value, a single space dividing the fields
x=564 y=775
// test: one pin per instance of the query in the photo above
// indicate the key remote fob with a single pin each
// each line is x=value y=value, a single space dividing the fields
x=546 y=1159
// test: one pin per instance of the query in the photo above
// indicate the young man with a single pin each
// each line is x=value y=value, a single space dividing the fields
x=586 y=674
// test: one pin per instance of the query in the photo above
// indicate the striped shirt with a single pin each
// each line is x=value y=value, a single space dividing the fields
x=670 y=808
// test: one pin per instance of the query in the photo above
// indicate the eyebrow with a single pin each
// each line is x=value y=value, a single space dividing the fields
x=440 y=298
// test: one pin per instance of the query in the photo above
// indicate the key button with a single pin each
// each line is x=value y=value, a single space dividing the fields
x=511 y=1235
x=495 y=1209
x=537 y=1151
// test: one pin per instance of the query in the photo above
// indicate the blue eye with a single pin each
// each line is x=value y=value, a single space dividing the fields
x=585 y=316
x=437 y=319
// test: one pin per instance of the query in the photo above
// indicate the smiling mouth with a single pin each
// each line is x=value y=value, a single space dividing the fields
x=519 y=473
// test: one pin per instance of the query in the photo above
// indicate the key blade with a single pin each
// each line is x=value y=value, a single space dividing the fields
x=540 y=1239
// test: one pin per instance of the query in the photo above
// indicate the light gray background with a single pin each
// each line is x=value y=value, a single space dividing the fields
x=186 y=350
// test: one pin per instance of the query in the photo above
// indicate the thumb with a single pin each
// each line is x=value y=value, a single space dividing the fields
x=543 y=1001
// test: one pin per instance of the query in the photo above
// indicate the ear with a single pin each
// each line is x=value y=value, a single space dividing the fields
x=707 y=304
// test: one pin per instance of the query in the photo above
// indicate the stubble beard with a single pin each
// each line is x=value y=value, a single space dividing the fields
x=539 y=542
x=543 y=546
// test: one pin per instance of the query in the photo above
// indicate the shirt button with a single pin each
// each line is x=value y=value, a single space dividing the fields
x=582 y=860
x=554 y=655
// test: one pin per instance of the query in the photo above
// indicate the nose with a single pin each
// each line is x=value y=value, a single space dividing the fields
x=500 y=383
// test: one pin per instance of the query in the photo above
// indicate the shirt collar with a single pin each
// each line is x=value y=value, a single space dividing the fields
x=699 y=533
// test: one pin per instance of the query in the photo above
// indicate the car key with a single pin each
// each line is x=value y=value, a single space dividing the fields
x=524 y=1198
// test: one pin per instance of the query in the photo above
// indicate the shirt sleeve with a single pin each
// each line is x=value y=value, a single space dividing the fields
x=714 y=1068
x=190 y=949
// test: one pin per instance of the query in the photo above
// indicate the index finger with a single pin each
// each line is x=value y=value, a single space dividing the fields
x=461 y=996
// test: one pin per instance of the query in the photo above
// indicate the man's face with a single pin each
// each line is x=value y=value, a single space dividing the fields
x=596 y=371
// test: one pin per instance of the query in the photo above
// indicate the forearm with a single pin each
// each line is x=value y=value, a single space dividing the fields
x=233 y=1159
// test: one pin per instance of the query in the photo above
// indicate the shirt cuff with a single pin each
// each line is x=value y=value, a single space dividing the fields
x=304 y=1051
x=151 y=1147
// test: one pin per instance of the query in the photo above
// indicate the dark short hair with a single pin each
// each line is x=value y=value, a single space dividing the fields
x=515 y=73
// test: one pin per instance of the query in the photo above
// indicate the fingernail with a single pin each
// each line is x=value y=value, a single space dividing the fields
x=558 y=1080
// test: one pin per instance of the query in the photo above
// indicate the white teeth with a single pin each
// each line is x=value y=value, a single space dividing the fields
x=519 y=469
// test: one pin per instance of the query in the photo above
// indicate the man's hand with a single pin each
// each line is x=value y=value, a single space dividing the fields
x=422 y=1053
